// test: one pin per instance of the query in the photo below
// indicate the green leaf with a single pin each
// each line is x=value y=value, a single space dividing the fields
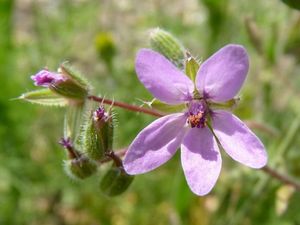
x=44 y=97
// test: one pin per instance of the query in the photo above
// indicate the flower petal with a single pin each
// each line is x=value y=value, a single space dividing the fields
x=223 y=74
x=201 y=160
x=155 y=144
x=238 y=140
x=162 y=78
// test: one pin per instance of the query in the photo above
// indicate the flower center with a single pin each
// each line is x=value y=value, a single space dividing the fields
x=100 y=114
x=197 y=114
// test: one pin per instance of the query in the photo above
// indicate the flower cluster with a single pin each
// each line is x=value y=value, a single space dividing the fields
x=199 y=129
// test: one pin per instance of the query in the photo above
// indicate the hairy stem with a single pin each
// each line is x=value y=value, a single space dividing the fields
x=125 y=106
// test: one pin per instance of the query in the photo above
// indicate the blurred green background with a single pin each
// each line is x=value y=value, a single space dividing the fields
x=100 y=38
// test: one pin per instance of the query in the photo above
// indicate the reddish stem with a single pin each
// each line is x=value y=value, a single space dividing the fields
x=283 y=178
x=125 y=106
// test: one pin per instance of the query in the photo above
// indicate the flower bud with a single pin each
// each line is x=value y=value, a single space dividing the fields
x=115 y=181
x=77 y=166
x=166 y=44
x=80 y=168
x=98 y=135
x=66 y=82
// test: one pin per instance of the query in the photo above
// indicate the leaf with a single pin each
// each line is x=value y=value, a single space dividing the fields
x=44 y=97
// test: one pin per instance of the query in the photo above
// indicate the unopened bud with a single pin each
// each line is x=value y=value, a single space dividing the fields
x=68 y=89
x=80 y=168
x=115 y=181
x=166 y=44
x=98 y=135
x=66 y=82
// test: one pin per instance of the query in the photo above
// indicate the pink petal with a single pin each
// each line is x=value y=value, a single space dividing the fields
x=201 y=160
x=223 y=74
x=238 y=140
x=162 y=78
x=155 y=144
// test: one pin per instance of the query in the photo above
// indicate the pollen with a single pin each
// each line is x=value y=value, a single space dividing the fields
x=197 y=120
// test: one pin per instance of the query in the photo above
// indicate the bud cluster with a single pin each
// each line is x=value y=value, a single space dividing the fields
x=93 y=148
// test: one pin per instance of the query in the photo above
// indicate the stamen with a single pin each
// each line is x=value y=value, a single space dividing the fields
x=197 y=114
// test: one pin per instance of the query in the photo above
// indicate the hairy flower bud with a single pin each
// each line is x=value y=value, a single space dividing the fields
x=98 y=135
x=115 y=181
x=166 y=44
x=67 y=82
x=80 y=168
x=77 y=166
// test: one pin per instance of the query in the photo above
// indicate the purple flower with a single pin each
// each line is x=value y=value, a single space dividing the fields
x=45 y=78
x=100 y=114
x=218 y=79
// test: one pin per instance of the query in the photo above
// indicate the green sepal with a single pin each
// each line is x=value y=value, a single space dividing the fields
x=166 y=44
x=229 y=105
x=98 y=138
x=115 y=181
x=68 y=71
x=80 y=168
x=165 y=108
x=44 y=97
x=73 y=120
x=69 y=89
x=191 y=67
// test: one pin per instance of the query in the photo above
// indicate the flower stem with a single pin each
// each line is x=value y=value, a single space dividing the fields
x=283 y=178
x=125 y=106
x=272 y=172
